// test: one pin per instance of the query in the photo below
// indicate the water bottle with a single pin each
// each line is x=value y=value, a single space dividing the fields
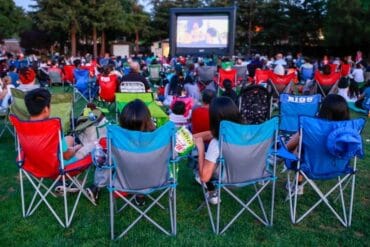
x=99 y=156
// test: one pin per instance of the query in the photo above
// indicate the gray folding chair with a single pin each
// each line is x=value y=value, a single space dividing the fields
x=144 y=164
x=247 y=158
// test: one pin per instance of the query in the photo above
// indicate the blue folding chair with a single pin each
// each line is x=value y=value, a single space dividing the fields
x=326 y=149
x=144 y=163
x=86 y=86
x=293 y=106
x=247 y=157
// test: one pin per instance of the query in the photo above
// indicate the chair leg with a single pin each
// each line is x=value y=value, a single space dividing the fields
x=22 y=192
x=342 y=201
x=111 y=207
x=351 y=199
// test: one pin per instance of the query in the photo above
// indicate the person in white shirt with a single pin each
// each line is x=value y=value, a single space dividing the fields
x=358 y=74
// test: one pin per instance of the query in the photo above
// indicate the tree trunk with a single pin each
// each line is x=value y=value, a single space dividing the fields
x=95 y=45
x=73 y=39
x=102 y=48
x=136 y=41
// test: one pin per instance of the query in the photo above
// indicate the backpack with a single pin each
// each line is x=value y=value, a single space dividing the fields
x=254 y=104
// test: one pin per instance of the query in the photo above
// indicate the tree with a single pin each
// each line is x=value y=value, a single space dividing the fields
x=61 y=16
x=13 y=20
x=347 y=23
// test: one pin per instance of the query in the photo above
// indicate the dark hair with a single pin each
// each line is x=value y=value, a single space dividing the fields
x=36 y=100
x=222 y=108
x=326 y=70
x=334 y=107
x=353 y=90
x=343 y=82
x=208 y=95
x=136 y=116
x=179 y=108
x=227 y=85
x=77 y=63
x=212 y=31
x=191 y=23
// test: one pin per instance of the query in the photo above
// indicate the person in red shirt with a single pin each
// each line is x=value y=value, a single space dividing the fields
x=200 y=115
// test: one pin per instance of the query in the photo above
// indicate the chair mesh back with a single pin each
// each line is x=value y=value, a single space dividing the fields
x=293 y=106
x=39 y=142
x=245 y=148
x=207 y=73
x=317 y=162
x=61 y=107
x=141 y=158
x=132 y=87
x=18 y=106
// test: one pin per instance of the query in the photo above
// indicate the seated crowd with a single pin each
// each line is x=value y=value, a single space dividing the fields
x=191 y=100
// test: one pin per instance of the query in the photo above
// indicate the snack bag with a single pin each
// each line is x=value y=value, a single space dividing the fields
x=184 y=141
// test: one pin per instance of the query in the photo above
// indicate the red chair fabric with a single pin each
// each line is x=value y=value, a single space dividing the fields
x=261 y=76
x=333 y=67
x=39 y=141
x=345 y=69
x=227 y=74
x=108 y=86
x=68 y=73
x=327 y=80
x=282 y=79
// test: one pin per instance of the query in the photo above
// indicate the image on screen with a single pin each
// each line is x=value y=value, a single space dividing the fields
x=202 y=31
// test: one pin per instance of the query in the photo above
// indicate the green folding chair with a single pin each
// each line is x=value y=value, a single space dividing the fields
x=156 y=111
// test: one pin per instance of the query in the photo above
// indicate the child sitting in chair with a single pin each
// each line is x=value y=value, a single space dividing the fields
x=38 y=105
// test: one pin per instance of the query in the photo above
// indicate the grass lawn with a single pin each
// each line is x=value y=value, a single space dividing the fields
x=90 y=227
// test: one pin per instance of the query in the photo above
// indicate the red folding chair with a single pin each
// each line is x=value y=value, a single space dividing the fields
x=326 y=82
x=333 y=67
x=345 y=69
x=68 y=74
x=261 y=76
x=280 y=83
x=107 y=87
x=40 y=158
x=227 y=75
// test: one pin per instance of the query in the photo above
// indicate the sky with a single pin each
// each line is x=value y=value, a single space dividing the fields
x=24 y=4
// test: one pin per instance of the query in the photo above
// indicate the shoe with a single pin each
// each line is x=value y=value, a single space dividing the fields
x=213 y=198
x=69 y=187
x=292 y=187
x=93 y=192
x=139 y=200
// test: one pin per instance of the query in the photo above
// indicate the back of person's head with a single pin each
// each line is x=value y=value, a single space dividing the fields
x=353 y=90
x=227 y=85
x=12 y=68
x=207 y=96
x=136 y=116
x=135 y=67
x=77 y=63
x=334 y=107
x=179 y=108
x=358 y=65
x=326 y=70
x=343 y=83
x=27 y=75
x=222 y=108
x=36 y=100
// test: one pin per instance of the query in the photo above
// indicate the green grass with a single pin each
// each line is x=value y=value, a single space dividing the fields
x=90 y=226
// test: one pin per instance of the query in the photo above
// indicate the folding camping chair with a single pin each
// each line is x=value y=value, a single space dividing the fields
x=226 y=75
x=84 y=86
x=242 y=73
x=293 y=106
x=55 y=76
x=244 y=150
x=40 y=158
x=154 y=73
x=261 y=76
x=132 y=87
x=107 y=89
x=326 y=83
x=325 y=151
x=345 y=69
x=144 y=164
x=158 y=115
x=282 y=83
x=62 y=107
x=206 y=75
x=18 y=106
